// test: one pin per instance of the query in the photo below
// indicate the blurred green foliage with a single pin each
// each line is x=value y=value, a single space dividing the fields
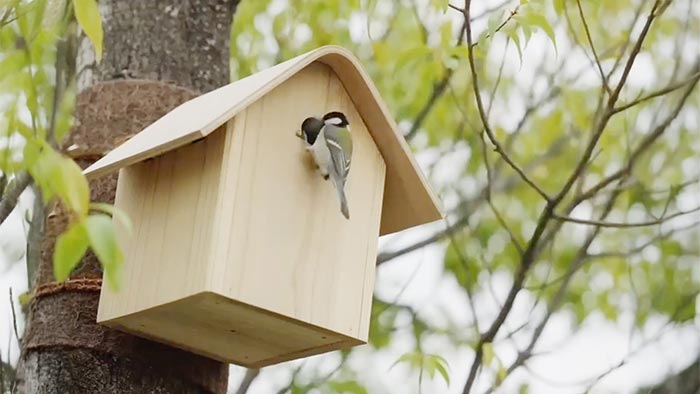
x=543 y=95
x=37 y=104
x=543 y=90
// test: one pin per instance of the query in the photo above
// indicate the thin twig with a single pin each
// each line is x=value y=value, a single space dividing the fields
x=600 y=127
x=250 y=375
x=643 y=145
x=467 y=207
x=498 y=79
x=595 y=53
x=454 y=7
x=641 y=247
x=440 y=87
x=582 y=255
x=13 y=191
x=657 y=93
x=601 y=223
x=555 y=302
x=628 y=39
x=489 y=200
x=512 y=15
x=482 y=112
x=465 y=264
x=295 y=374
x=14 y=317
x=528 y=257
x=486 y=11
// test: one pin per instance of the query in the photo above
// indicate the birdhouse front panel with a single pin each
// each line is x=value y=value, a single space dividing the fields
x=281 y=242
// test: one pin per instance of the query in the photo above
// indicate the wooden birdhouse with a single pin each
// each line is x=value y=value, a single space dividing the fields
x=239 y=251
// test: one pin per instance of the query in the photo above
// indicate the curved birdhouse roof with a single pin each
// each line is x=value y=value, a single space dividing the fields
x=408 y=200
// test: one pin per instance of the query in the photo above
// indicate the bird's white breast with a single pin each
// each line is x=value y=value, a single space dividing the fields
x=321 y=153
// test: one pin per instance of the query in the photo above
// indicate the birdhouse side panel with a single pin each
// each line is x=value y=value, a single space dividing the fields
x=284 y=246
x=171 y=202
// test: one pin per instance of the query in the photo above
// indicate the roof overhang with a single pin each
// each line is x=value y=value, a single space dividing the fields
x=408 y=199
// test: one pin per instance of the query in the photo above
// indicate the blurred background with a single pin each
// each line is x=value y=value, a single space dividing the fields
x=563 y=138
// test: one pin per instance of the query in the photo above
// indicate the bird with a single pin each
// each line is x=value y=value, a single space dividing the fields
x=329 y=141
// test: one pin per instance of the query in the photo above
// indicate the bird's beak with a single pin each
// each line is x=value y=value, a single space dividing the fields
x=299 y=134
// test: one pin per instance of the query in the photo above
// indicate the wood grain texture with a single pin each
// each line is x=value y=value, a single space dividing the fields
x=170 y=201
x=408 y=200
x=239 y=231
x=281 y=223
x=229 y=331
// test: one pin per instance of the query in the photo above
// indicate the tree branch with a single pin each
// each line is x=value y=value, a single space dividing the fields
x=640 y=248
x=607 y=114
x=482 y=112
x=468 y=207
x=441 y=86
x=528 y=257
x=36 y=230
x=250 y=375
x=595 y=53
x=489 y=200
x=601 y=223
x=644 y=145
x=11 y=196
x=692 y=78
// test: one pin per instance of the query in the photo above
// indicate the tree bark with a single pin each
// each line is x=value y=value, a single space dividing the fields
x=157 y=54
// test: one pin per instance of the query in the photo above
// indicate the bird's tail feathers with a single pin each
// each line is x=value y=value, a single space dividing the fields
x=344 y=204
x=339 y=184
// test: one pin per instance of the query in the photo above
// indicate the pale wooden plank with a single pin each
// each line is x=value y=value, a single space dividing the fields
x=170 y=201
x=283 y=211
x=232 y=332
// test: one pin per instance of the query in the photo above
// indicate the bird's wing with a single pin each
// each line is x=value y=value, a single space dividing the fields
x=339 y=144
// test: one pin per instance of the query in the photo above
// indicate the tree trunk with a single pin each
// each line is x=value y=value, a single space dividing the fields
x=157 y=54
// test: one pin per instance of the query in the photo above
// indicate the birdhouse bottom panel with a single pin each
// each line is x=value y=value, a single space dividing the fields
x=230 y=331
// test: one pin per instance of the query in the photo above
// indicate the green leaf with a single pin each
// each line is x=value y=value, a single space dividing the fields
x=347 y=387
x=103 y=241
x=440 y=4
x=538 y=20
x=70 y=247
x=88 y=16
x=57 y=175
x=445 y=34
x=493 y=23
x=441 y=366
x=414 y=359
x=559 y=6
x=513 y=34
x=429 y=363
x=12 y=63
x=488 y=353
x=501 y=373
x=116 y=213
x=71 y=185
